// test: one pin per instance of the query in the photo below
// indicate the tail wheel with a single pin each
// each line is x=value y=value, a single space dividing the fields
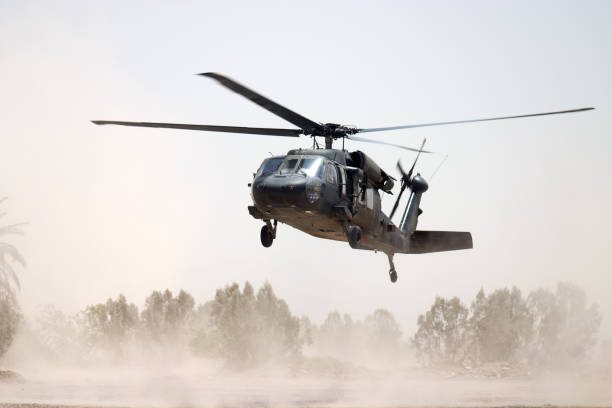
x=393 y=275
x=267 y=236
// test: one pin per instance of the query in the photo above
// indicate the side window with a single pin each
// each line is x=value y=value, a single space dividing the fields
x=362 y=196
x=370 y=198
x=330 y=174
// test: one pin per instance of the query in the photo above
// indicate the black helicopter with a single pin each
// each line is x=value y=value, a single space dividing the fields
x=332 y=193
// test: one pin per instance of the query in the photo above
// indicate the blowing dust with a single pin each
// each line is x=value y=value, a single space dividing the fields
x=245 y=348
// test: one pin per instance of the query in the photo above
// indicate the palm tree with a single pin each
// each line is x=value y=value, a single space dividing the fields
x=9 y=255
x=9 y=284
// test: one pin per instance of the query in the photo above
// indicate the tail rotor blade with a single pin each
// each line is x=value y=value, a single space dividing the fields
x=415 y=160
x=397 y=200
x=401 y=169
x=406 y=178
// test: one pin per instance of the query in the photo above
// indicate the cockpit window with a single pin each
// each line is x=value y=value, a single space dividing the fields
x=289 y=166
x=312 y=167
x=270 y=165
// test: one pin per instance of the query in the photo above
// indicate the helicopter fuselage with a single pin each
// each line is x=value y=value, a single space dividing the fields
x=316 y=192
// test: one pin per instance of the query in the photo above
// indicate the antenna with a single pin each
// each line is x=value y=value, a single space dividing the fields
x=438 y=168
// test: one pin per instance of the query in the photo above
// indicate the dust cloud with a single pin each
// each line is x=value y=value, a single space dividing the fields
x=245 y=348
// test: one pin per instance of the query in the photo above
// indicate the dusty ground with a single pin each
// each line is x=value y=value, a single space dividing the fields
x=151 y=390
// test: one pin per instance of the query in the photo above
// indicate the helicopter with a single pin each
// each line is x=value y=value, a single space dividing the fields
x=333 y=193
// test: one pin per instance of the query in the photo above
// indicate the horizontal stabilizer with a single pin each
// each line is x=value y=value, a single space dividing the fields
x=438 y=241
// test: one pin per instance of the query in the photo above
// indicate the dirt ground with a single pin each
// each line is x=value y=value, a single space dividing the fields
x=176 y=390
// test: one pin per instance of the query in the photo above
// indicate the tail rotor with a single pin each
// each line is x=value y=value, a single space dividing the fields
x=407 y=181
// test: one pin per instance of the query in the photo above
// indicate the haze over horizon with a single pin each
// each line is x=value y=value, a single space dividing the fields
x=125 y=210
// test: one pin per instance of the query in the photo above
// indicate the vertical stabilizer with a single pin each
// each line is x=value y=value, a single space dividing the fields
x=418 y=185
x=411 y=214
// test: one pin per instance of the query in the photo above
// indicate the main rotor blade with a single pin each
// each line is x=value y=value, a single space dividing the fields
x=308 y=125
x=210 y=128
x=363 y=139
x=470 y=120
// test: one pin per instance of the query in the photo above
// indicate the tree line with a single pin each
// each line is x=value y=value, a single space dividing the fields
x=241 y=327
x=245 y=328
x=545 y=328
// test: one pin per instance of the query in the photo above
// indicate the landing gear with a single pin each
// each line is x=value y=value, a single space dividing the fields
x=266 y=236
x=392 y=272
x=268 y=233
x=354 y=236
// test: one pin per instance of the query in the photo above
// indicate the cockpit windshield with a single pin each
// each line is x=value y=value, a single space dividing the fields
x=270 y=165
x=289 y=165
x=312 y=167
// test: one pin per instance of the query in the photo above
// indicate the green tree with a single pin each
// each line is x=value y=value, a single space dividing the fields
x=476 y=333
x=307 y=331
x=565 y=326
x=110 y=323
x=201 y=319
x=9 y=321
x=166 y=317
x=383 y=331
x=338 y=336
x=279 y=329
x=546 y=328
x=253 y=329
x=501 y=325
x=442 y=333
x=233 y=317
x=57 y=334
x=9 y=284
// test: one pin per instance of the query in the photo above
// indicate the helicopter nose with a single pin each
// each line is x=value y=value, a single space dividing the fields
x=280 y=190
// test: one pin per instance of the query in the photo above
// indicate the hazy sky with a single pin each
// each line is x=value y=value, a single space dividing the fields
x=126 y=210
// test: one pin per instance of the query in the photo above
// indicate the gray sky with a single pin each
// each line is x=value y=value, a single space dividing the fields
x=131 y=210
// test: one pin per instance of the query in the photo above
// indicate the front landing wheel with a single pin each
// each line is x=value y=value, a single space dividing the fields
x=354 y=236
x=393 y=275
x=267 y=236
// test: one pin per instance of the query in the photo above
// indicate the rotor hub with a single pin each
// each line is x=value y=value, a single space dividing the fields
x=333 y=131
